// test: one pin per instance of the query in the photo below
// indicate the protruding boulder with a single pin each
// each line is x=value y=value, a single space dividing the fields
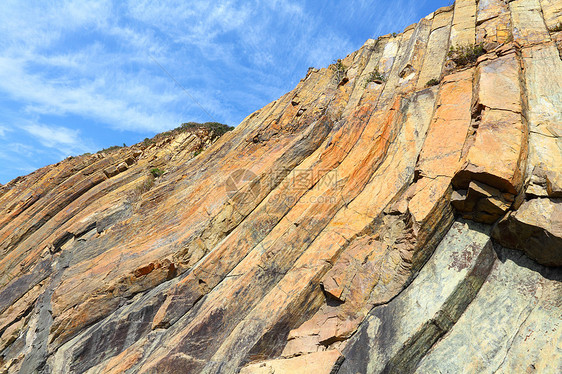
x=317 y=363
x=481 y=203
x=122 y=167
x=111 y=171
x=536 y=229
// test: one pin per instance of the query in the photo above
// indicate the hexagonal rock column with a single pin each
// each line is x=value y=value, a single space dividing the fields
x=397 y=335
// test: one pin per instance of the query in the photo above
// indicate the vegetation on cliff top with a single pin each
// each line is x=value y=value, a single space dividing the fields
x=375 y=76
x=464 y=55
x=217 y=129
x=432 y=82
x=339 y=69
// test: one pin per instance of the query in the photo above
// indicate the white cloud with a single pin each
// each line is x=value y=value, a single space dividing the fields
x=39 y=24
x=87 y=79
x=53 y=136
x=17 y=159
x=107 y=75
x=37 y=145
x=92 y=58
x=122 y=101
x=287 y=7
x=22 y=150
x=90 y=61
x=62 y=138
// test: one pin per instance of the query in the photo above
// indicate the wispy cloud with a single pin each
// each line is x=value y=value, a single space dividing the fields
x=62 y=138
x=90 y=60
x=108 y=80
x=18 y=159
x=40 y=143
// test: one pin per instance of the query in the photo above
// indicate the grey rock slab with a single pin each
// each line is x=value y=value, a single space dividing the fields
x=543 y=77
x=397 y=335
x=514 y=325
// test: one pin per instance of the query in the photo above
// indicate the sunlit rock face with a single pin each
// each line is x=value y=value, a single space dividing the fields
x=397 y=212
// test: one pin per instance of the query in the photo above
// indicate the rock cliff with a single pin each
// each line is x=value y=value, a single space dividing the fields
x=397 y=212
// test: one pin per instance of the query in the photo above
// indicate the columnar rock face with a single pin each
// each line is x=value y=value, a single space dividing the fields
x=409 y=223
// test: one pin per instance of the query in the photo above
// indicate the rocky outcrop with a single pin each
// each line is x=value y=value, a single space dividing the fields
x=536 y=229
x=397 y=335
x=384 y=216
x=512 y=326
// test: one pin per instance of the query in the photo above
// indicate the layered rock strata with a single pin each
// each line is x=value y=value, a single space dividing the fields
x=403 y=224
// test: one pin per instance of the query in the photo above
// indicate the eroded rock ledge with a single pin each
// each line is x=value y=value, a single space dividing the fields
x=409 y=222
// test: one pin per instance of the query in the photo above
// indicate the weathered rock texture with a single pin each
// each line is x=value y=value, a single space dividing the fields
x=409 y=224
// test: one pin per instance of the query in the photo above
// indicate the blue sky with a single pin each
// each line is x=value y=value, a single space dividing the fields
x=79 y=76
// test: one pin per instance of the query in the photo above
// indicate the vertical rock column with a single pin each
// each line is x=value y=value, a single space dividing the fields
x=437 y=47
x=552 y=12
x=536 y=227
x=493 y=23
x=495 y=152
x=464 y=23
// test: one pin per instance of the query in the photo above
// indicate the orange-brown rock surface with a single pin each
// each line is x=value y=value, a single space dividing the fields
x=351 y=226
